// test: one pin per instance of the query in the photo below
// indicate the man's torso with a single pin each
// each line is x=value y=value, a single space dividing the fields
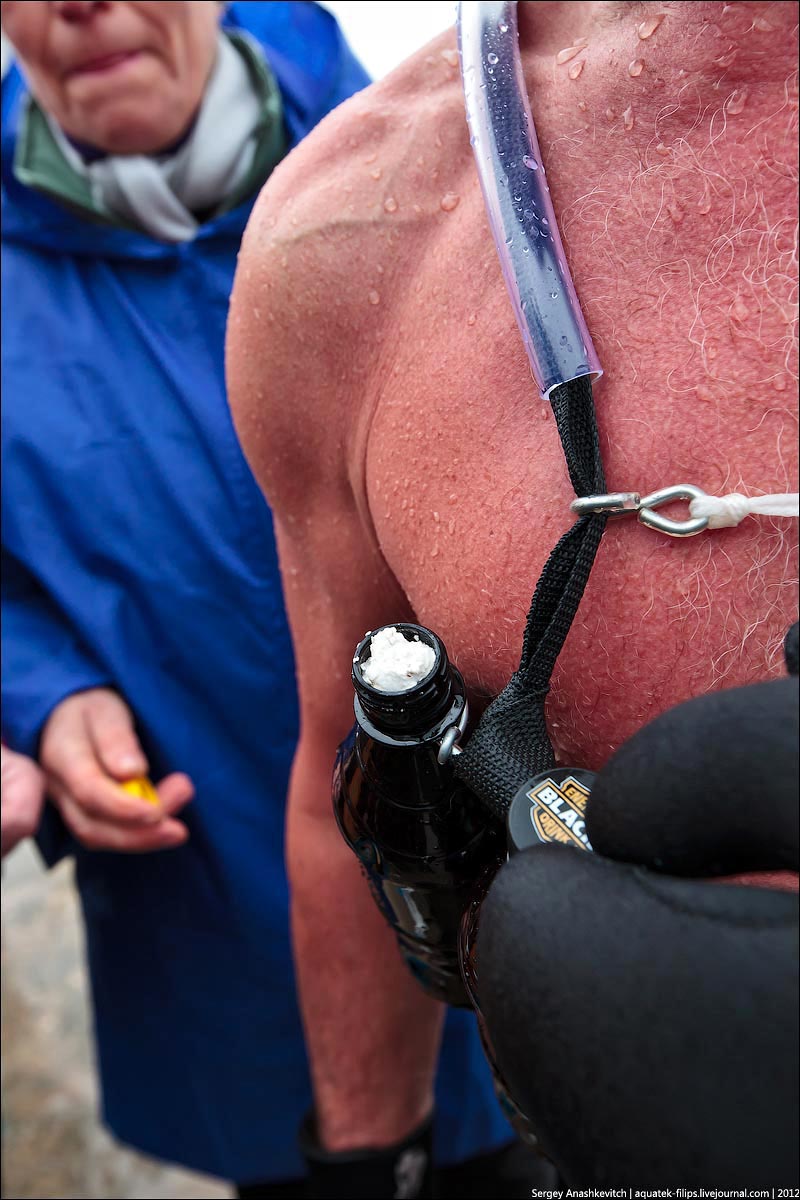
x=678 y=220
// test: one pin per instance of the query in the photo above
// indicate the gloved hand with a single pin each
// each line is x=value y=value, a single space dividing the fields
x=404 y=1170
x=647 y=1023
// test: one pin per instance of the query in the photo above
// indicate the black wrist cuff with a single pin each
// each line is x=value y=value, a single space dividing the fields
x=403 y=1170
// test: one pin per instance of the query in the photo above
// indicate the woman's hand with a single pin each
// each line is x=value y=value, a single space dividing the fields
x=88 y=748
x=23 y=795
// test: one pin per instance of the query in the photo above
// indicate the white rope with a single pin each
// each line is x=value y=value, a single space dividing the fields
x=726 y=511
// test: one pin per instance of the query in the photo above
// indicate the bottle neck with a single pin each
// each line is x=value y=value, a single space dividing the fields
x=422 y=712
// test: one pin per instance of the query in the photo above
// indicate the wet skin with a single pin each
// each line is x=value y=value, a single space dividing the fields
x=385 y=402
x=409 y=344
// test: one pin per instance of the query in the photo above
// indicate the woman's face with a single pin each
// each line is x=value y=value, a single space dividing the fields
x=126 y=76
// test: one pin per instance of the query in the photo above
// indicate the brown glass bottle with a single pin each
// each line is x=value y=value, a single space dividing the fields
x=422 y=838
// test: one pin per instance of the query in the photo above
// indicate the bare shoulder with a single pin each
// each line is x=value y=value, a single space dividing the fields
x=328 y=255
x=327 y=264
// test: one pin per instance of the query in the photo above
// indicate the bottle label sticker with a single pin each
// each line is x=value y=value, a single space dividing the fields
x=558 y=811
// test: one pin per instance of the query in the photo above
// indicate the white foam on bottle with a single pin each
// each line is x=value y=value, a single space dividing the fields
x=396 y=664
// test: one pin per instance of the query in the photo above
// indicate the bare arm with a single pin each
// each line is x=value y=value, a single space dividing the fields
x=372 y=1034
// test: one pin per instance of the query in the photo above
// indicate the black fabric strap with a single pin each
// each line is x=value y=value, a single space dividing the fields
x=511 y=743
x=405 y=1169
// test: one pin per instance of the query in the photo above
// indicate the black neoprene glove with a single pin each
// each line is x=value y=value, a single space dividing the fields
x=404 y=1170
x=647 y=1023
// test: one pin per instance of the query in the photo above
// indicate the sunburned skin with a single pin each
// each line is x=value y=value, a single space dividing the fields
x=379 y=384
x=671 y=157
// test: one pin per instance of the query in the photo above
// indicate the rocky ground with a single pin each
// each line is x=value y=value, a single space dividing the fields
x=54 y=1147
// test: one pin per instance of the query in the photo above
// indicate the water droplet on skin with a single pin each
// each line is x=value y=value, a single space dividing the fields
x=504 y=28
x=779 y=384
x=628 y=118
x=576 y=68
x=376 y=174
x=762 y=25
x=648 y=27
x=530 y=163
x=570 y=52
x=635 y=68
x=545 y=221
x=371 y=158
x=736 y=102
x=725 y=60
x=450 y=57
x=449 y=201
x=704 y=203
x=675 y=211
x=390 y=204
x=582 y=105
x=610 y=114
x=739 y=310
x=662 y=149
x=373 y=297
x=472 y=318
x=703 y=395
x=492 y=58
x=554 y=295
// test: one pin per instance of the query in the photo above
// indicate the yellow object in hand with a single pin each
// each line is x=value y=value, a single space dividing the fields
x=141 y=787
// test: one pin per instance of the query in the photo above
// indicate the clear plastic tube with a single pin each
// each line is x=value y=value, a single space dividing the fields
x=517 y=197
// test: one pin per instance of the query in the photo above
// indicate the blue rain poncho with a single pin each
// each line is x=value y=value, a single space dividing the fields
x=138 y=553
